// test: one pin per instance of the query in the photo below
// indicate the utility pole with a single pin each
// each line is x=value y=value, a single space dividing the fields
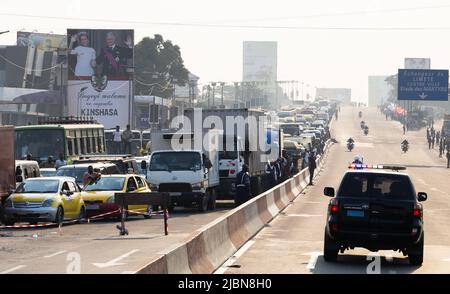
x=213 y=93
x=222 y=84
x=236 y=94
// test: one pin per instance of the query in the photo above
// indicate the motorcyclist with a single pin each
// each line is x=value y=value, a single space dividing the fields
x=405 y=144
x=360 y=114
x=350 y=140
x=363 y=123
x=358 y=160
x=366 y=129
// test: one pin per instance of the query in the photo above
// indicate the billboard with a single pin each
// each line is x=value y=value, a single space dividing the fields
x=417 y=63
x=100 y=83
x=260 y=61
x=423 y=85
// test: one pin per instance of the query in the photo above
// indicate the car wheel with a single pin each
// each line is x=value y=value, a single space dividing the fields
x=415 y=253
x=330 y=249
x=59 y=218
x=149 y=212
x=203 y=203
x=212 y=200
x=82 y=215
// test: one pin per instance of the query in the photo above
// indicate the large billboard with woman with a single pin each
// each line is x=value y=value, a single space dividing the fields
x=100 y=85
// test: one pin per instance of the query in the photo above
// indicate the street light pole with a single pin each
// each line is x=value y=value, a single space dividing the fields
x=213 y=93
x=222 y=84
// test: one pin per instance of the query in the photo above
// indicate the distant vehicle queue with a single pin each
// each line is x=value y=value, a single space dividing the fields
x=92 y=164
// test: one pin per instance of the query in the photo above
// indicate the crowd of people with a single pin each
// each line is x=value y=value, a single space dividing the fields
x=436 y=139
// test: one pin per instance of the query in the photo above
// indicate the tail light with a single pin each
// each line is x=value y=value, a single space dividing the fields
x=417 y=211
x=334 y=205
x=232 y=171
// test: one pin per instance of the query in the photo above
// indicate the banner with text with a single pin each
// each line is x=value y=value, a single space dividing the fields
x=100 y=65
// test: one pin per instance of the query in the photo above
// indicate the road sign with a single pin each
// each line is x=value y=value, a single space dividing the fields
x=423 y=85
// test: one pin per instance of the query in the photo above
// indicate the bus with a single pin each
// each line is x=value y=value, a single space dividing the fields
x=67 y=136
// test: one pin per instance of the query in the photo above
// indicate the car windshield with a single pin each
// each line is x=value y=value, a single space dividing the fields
x=370 y=185
x=228 y=155
x=74 y=172
x=48 y=173
x=107 y=184
x=41 y=186
x=175 y=161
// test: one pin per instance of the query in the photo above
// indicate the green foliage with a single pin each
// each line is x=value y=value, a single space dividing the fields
x=158 y=66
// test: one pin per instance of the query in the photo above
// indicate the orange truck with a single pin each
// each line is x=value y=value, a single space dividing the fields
x=7 y=163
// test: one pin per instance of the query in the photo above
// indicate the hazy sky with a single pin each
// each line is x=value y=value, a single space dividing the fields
x=319 y=57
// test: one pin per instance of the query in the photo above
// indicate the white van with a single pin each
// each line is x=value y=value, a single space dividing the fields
x=28 y=169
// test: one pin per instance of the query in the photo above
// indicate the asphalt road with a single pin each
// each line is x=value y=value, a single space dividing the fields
x=96 y=247
x=293 y=241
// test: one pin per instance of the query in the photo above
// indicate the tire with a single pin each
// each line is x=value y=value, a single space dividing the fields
x=82 y=215
x=212 y=203
x=203 y=203
x=330 y=249
x=415 y=253
x=59 y=218
x=9 y=223
x=149 y=211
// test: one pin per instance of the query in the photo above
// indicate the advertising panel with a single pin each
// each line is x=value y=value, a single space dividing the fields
x=100 y=81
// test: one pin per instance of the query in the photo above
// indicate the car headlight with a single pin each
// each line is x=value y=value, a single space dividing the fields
x=9 y=202
x=110 y=199
x=48 y=203
x=154 y=187
x=197 y=186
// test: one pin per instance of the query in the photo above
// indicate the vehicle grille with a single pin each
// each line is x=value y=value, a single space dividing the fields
x=175 y=187
x=223 y=173
x=23 y=204
x=88 y=202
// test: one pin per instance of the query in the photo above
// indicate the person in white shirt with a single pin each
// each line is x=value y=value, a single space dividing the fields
x=117 y=139
x=85 y=55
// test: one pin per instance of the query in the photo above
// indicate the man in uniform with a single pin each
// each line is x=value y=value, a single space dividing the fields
x=242 y=186
x=114 y=58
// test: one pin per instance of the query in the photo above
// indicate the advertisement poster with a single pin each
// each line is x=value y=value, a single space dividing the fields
x=100 y=85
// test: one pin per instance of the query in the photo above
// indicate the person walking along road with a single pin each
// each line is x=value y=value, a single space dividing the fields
x=312 y=167
x=242 y=186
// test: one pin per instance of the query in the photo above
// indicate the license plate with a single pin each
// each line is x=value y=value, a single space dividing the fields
x=93 y=207
x=355 y=213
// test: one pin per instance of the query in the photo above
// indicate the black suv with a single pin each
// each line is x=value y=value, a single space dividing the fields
x=377 y=210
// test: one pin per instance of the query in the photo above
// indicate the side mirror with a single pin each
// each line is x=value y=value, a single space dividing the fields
x=67 y=193
x=144 y=165
x=329 y=191
x=422 y=196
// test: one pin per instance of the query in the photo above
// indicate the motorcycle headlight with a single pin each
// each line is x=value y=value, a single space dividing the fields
x=47 y=203
x=110 y=199
x=9 y=202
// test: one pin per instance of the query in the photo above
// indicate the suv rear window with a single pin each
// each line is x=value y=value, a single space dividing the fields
x=371 y=185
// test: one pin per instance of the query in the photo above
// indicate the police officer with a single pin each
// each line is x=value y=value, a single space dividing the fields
x=242 y=186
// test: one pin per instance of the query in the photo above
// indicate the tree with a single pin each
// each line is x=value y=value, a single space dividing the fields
x=393 y=82
x=159 y=67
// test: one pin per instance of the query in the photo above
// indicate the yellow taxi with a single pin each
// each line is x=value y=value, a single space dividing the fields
x=99 y=196
x=45 y=199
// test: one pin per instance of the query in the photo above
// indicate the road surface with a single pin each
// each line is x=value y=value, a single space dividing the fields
x=293 y=242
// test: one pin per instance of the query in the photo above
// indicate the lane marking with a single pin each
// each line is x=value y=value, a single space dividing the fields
x=312 y=260
x=314 y=202
x=233 y=259
x=12 y=269
x=127 y=273
x=55 y=254
x=115 y=261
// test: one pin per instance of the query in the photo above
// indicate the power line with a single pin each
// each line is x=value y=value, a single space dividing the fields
x=231 y=26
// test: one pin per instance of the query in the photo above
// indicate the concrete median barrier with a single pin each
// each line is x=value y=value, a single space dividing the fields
x=209 y=247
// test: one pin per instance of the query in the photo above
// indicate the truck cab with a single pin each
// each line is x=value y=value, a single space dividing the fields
x=191 y=176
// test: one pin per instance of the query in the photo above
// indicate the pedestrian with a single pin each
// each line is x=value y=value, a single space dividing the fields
x=404 y=129
x=60 y=161
x=433 y=138
x=19 y=177
x=242 y=186
x=438 y=136
x=429 y=142
x=117 y=141
x=50 y=163
x=428 y=133
x=312 y=167
x=29 y=156
x=448 y=158
x=90 y=176
x=441 y=148
x=271 y=177
x=278 y=171
x=127 y=135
